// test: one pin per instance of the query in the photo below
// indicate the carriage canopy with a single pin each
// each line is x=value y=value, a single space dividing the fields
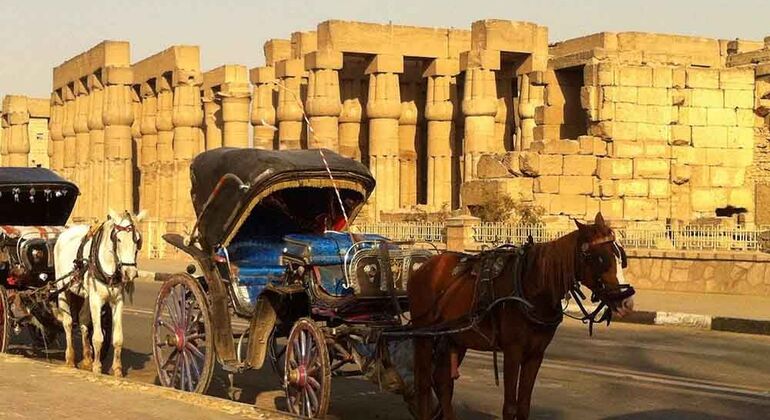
x=35 y=197
x=282 y=192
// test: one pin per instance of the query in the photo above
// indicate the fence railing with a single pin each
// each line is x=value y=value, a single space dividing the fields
x=154 y=246
x=404 y=231
x=684 y=237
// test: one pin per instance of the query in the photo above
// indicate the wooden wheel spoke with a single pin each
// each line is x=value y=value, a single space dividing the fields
x=313 y=398
x=194 y=363
x=187 y=373
x=170 y=357
x=313 y=382
x=194 y=350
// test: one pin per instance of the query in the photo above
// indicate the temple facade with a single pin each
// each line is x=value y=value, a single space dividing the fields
x=642 y=127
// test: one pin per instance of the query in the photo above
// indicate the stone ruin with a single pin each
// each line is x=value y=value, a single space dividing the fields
x=642 y=127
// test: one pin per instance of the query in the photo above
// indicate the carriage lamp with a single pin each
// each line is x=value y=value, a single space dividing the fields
x=47 y=194
x=31 y=195
x=16 y=192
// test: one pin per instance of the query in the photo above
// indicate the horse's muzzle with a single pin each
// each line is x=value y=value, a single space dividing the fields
x=620 y=299
x=128 y=273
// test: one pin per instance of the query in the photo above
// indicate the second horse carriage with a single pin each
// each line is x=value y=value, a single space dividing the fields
x=270 y=245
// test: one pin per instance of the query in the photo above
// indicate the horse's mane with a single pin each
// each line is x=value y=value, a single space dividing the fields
x=554 y=264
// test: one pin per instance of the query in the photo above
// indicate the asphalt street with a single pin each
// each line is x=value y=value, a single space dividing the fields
x=625 y=371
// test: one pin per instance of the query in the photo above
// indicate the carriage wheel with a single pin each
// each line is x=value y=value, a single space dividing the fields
x=183 y=347
x=307 y=375
x=5 y=321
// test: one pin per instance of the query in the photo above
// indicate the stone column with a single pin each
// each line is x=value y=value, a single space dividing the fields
x=503 y=139
x=212 y=112
x=97 y=173
x=407 y=145
x=82 y=143
x=290 y=110
x=323 y=98
x=16 y=135
x=117 y=116
x=68 y=130
x=187 y=117
x=479 y=107
x=235 y=116
x=55 y=126
x=263 y=107
x=165 y=149
x=352 y=112
x=440 y=111
x=136 y=135
x=149 y=163
x=526 y=114
x=384 y=109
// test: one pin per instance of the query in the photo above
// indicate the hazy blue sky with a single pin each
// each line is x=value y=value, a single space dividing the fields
x=36 y=35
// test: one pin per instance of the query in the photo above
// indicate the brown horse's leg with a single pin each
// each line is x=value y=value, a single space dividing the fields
x=529 y=369
x=423 y=372
x=444 y=379
x=512 y=361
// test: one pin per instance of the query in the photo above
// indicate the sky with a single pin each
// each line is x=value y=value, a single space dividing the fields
x=37 y=35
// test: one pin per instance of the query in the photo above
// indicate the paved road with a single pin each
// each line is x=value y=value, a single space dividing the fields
x=624 y=372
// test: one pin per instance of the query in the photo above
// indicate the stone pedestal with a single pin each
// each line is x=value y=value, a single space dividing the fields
x=479 y=107
x=459 y=233
x=97 y=173
x=384 y=109
x=15 y=131
x=290 y=109
x=440 y=110
x=323 y=105
x=263 y=108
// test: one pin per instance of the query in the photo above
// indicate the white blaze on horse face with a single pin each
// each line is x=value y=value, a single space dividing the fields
x=126 y=250
x=627 y=305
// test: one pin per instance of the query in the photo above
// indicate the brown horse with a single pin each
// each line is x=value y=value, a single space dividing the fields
x=522 y=313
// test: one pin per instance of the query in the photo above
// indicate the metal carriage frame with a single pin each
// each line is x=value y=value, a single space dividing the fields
x=192 y=326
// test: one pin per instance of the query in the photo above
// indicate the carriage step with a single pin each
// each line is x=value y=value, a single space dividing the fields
x=233 y=366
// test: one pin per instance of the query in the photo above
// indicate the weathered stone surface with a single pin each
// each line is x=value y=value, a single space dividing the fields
x=610 y=168
x=490 y=166
x=579 y=165
x=633 y=188
x=651 y=168
x=583 y=185
x=547 y=184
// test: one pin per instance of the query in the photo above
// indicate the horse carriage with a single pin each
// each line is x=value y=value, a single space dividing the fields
x=35 y=204
x=269 y=243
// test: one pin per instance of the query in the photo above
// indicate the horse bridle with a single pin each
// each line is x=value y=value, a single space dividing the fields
x=136 y=236
x=606 y=297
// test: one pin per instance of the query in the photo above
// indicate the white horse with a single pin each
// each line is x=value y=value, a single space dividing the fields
x=100 y=280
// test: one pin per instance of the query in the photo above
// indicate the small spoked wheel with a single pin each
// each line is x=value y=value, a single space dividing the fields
x=5 y=320
x=183 y=346
x=307 y=376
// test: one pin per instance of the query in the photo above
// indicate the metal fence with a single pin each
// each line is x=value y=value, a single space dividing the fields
x=404 y=231
x=684 y=237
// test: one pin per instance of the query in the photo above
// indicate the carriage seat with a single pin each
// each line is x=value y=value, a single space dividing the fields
x=258 y=261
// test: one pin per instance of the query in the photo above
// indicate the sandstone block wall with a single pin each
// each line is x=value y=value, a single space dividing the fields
x=699 y=271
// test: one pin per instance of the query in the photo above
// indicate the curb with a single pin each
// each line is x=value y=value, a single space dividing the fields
x=680 y=319
x=194 y=400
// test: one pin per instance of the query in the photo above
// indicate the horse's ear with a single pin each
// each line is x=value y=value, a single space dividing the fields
x=579 y=225
x=599 y=219
x=142 y=214
x=113 y=215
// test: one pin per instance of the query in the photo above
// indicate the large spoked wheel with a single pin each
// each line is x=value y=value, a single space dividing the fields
x=307 y=375
x=5 y=320
x=183 y=346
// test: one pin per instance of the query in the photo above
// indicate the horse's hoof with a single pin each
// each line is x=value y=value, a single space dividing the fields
x=70 y=365
x=96 y=369
x=86 y=366
x=118 y=373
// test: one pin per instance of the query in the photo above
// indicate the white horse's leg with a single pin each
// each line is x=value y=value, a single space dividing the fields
x=65 y=316
x=95 y=302
x=117 y=333
x=84 y=319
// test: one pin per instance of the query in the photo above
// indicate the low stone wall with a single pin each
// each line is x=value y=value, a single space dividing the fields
x=742 y=273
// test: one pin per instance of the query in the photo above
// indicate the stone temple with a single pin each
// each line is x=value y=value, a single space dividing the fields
x=643 y=127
